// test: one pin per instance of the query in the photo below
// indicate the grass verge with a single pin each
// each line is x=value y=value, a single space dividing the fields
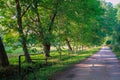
x=60 y=65
x=55 y=64
x=117 y=53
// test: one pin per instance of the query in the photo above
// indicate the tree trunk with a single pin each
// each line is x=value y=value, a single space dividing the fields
x=27 y=56
x=68 y=44
x=46 y=49
x=3 y=56
x=20 y=28
x=46 y=46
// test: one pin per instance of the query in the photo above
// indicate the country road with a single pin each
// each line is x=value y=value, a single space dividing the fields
x=101 y=66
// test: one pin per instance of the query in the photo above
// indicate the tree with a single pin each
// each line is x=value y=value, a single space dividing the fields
x=46 y=19
x=108 y=20
x=12 y=20
x=43 y=26
x=83 y=26
x=3 y=56
x=111 y=22
x=20 y=29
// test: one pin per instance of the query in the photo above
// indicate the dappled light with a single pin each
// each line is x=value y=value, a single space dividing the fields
x=40 y=39
x=101 y=66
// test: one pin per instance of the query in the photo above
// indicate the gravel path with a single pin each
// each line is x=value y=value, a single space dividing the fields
x=101 y=66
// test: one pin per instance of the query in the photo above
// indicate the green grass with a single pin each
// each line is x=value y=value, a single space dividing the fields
x=54 y=63
x=45 y=72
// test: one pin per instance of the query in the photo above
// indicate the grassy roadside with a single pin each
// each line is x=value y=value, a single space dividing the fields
x=45 y=72
x=117 y=53
x=55 y=64
x=116 y=50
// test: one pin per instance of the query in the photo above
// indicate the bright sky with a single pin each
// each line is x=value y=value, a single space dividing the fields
x=114 y=2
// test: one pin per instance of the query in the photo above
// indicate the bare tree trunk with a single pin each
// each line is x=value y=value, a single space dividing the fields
x=3 y=56
x=46 y=49
x=68 y=44
x=20 y=28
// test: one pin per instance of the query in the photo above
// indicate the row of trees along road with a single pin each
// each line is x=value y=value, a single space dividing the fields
x=111 y=24
x=51 y=23
x=115 y=38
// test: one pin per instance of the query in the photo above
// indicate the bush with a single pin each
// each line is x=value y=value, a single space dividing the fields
x=8 y=71
x=108 y=42
x=116 y=48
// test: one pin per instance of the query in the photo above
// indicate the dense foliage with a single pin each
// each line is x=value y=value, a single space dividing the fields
x=43 y=26
x=47 y=23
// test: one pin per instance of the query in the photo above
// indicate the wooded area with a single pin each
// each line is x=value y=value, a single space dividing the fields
x=44 y=26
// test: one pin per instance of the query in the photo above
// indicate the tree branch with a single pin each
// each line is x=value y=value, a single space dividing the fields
x=34 y=20
x=53 y=17
x=25 y=10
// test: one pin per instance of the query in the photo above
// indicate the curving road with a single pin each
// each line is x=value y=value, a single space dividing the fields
x=101 y=66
